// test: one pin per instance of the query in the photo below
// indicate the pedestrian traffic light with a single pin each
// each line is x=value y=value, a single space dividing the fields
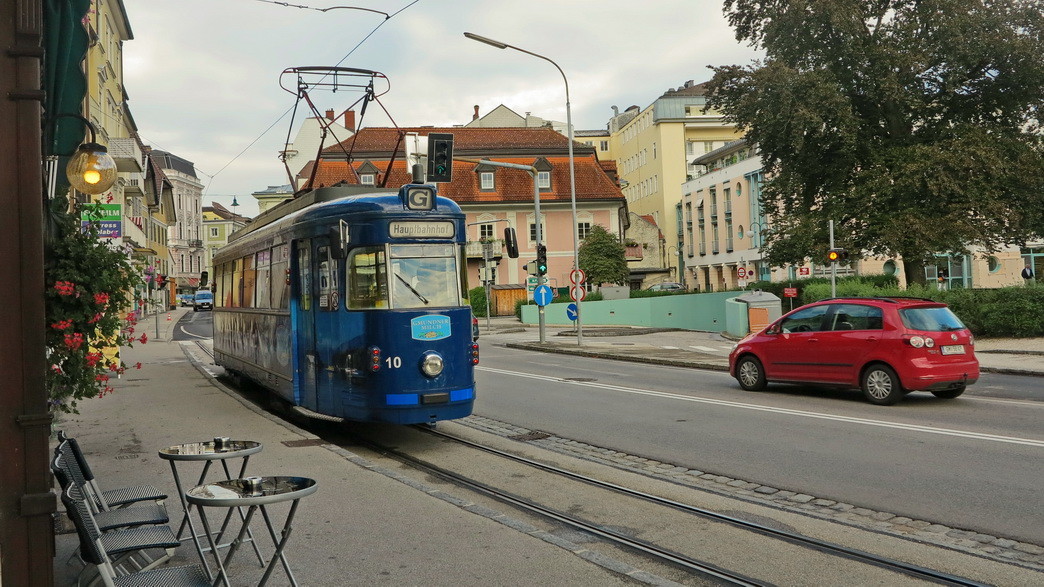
x=541 y=260
x=440 y=157
x=837 y=256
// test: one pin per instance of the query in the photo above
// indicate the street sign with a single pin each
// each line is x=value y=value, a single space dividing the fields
x=577 y=276
x=542 y=295
x=577 y=293
x=790 y=292
x=531 y=282
x=572 y=312
x=741 y=273
x=742 y=283
x=803 y=271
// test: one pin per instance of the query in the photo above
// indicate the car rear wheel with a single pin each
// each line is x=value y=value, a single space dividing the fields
x=750 y=374
x=881 y=385
x=949 y=393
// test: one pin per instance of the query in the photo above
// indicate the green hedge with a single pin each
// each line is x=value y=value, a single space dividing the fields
x=999 y=312
x=477 y=297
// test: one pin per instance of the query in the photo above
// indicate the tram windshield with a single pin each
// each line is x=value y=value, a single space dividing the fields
x=404 y=276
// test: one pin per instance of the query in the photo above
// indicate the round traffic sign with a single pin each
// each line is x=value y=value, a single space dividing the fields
x=741 y=272
x=577 y=276
x=577 y=293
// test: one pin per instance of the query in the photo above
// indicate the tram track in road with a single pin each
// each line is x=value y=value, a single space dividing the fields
x=667 y=532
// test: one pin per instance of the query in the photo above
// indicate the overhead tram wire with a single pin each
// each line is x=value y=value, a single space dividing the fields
x=346 y=56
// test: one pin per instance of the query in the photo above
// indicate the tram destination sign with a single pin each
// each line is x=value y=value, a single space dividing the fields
x=412 y=229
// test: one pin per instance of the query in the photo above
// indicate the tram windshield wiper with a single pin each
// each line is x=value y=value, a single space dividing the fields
x=415 y=292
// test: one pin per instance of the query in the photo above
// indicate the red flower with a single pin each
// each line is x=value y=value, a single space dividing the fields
x=74 y=341
x=137 y=365
x=101 y=299
x=101 y=377
x=65 y=288
x=144 y=338
x=93 y=358
x=62 y=325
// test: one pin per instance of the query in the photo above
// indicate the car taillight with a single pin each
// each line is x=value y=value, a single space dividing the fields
x=474 y=354
x=919 y=341
x=375 y=359
x=971 y=339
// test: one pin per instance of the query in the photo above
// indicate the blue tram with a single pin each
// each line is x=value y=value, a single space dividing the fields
x=350 y=303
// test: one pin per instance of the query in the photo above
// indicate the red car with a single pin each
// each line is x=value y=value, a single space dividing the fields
x=885 y=346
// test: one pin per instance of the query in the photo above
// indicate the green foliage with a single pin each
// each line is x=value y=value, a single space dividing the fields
x=998 y=312
x=602 y=257
x=644 y=293
x=915 y=126
x=89 y=287
x=477 y=298
x=868 y=283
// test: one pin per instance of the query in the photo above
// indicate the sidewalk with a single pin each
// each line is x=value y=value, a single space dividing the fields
x=364 y=526
x=709 y=350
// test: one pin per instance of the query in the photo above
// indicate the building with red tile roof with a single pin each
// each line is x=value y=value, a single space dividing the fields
x=493 y=197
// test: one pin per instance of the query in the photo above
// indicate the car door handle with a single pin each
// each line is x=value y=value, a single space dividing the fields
x=813 y=340
x=870 y=339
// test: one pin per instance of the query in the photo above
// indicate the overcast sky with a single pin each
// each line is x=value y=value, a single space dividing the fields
x=203 y=76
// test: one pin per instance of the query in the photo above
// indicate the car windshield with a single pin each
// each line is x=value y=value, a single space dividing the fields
x=939 y=319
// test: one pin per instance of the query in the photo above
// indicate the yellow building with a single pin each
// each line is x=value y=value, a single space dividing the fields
x=654 y=147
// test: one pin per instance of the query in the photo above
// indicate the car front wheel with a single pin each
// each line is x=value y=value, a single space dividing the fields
x=881 y=385
x=949 y=393
x=750 y=374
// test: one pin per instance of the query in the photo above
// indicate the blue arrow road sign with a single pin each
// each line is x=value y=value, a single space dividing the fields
x=542 y=295
x=571 y=312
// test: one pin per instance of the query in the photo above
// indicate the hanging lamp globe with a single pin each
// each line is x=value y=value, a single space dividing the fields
x=91 y=169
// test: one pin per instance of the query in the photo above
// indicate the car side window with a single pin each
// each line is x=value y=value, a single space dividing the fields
x=807 y=320
x=856 y=317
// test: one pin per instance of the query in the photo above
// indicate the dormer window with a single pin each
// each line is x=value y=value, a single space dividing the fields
x=543 y=168
x=486 y=180
x=368 y=173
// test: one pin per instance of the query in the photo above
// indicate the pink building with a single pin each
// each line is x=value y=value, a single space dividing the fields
x=495 y=197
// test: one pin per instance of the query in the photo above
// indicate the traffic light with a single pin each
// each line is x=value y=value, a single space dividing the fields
x=511 y=242
x=531 y=267
x=837 y=256
x=541 y=260
x=440 y=157
x=161 y=281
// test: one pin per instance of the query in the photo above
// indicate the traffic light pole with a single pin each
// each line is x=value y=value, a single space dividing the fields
x=536 y=210
x=833 y=265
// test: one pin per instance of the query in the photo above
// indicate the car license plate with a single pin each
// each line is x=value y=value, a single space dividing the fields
x=953 y=349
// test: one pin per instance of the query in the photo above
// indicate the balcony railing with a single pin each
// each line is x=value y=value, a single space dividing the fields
x=127 y=155
x=195 y=242
x=476 y=249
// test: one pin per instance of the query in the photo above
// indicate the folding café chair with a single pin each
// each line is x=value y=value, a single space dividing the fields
x=68 y=473
x=99 y=549
x=112 y=498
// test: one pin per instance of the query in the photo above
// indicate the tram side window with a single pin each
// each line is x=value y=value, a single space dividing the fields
x=304 y=273
x=262 y=293
x=226 y=285
x=327 y=275
x=367 y=282
x=280 y=287
x=237 y=283
x=249 y=279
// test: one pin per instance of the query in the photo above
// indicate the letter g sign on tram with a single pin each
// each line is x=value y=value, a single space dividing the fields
x=420 y=198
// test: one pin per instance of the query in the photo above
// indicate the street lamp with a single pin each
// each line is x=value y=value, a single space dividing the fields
x=572 y=172
x=756 y=229
x=677 y=250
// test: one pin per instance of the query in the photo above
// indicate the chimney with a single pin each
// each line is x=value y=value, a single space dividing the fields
x=349 y=120
x=329 y=114
x=616 y=111
x=475 y=116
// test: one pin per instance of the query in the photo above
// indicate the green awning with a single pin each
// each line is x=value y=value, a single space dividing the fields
x=65 y=46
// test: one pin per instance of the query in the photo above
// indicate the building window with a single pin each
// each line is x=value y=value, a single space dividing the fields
x=532 y=232
x=213 y=232
x=544 y=180
x=583 y=229
x=604 y=145
x=485 y=231
x=366 y=179
x=486 y=180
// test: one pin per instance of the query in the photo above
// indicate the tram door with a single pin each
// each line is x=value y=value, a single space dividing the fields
x=303 y=318
x=327 y=327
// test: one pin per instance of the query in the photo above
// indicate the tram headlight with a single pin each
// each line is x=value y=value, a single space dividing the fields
x=432 y=365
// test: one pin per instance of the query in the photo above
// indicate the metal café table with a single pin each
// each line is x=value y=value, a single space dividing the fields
x=221 y=450
x=254 y=493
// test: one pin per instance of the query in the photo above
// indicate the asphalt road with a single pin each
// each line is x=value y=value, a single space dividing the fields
x=971 y=464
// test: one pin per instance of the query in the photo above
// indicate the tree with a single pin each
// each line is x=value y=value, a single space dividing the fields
x=602 y=258
x=913 y=124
